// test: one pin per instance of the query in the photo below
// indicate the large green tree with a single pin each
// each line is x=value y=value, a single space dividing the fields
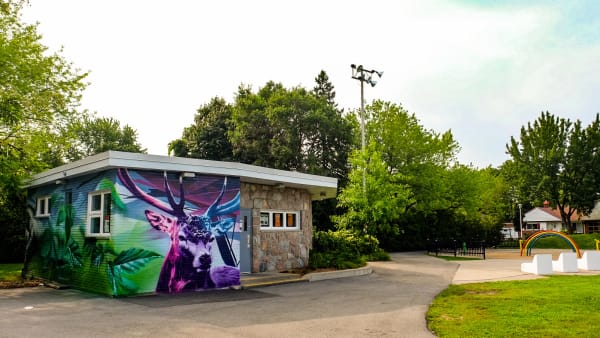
x=414 y=187
x=557 y=160
x=39 y=94
x=291 y=129
x=94 y=135
x=207 y=137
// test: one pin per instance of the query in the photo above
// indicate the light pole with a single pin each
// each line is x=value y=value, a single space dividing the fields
x=363 y=75
x=521 y=220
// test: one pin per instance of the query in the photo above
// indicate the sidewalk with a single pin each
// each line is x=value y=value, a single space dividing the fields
x=254 y=280
x=503 y=265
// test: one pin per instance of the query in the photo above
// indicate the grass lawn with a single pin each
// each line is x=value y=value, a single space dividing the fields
x=557 y=306
x=10 y=272
x=10 y=277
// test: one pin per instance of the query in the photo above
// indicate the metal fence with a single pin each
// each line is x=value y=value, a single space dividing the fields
x=453 y=247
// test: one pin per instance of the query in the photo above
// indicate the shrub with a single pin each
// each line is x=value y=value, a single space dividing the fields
x=344 y=249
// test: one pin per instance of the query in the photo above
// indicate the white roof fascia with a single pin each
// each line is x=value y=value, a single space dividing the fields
x=320 y=187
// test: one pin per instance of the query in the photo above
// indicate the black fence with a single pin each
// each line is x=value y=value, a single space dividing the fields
x=453 y=247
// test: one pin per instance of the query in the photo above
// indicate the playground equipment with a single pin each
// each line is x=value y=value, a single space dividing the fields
x=530 y=243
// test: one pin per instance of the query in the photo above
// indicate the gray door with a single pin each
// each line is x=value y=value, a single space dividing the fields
x=246 y=241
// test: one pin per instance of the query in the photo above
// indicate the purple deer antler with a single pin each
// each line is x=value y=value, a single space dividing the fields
x=187 y=265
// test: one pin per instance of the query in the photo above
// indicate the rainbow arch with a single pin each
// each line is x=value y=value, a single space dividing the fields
x=548 y=233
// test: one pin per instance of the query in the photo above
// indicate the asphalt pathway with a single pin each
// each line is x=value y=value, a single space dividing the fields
x=392 y=301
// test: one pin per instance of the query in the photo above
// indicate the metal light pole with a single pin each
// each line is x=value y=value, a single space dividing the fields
x=521 y=220
x=363 y=75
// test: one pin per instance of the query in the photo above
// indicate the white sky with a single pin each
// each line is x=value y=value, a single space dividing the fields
x=481 y=70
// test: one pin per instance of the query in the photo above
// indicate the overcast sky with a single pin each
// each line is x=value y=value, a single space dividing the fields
x=481 y=69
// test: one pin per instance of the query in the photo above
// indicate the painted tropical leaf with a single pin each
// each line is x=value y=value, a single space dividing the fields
x=73 y=255
x=116 y=198
x=98 y=252
x=132 y=260
x=128 y=262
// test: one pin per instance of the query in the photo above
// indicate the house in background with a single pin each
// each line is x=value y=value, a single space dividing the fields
x=547 y=218
x=508 y=231
x=591 y=222
x=122 y=223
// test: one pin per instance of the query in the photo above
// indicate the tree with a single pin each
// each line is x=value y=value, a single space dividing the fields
x=324 y=89
x=556 y=160
x=94 y=135
x=298 y=131
x=376 y=209
x=39 y=94
x=421 y=156
x=207 y=137
x=408 y=161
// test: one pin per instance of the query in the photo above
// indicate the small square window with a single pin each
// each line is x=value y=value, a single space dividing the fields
x=277 y=219
x=291 y=220
x=43 y=206
x=264 y=219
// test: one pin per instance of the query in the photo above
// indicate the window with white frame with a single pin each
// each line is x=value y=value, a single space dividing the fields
x=279 y=220
x=43 y=206
x=98 y=220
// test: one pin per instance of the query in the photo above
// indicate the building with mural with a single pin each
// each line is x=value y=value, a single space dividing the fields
x=122 y=223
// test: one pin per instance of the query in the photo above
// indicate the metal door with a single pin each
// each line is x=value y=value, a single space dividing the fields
x=246 y=241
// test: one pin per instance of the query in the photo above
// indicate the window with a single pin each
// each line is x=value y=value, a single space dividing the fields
x=68 y=197
x=593 y=227
x=43 y=207
x=279 y=220
x=98 y=222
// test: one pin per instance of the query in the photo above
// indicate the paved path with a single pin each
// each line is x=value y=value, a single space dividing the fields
x=390 y=302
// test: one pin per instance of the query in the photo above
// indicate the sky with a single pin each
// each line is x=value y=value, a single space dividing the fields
x=481 y=69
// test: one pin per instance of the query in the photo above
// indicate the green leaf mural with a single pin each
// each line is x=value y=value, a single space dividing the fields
x=106 y=184
x=59 y=252
x=128 y=262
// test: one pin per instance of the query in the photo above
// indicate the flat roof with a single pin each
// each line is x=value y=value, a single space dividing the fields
x=320 y=187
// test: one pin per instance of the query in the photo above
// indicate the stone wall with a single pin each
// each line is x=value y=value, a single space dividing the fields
x=278 y=250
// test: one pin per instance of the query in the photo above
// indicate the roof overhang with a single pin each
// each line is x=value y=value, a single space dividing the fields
x=320 y=187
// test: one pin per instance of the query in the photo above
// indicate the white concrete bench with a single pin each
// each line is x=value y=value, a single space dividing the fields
x=541 y=265
x=590 y=260
x=567 y=262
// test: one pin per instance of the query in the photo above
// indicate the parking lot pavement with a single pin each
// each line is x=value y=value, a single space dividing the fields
x=392 y=301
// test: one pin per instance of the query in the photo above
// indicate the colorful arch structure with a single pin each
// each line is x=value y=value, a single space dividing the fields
x=549 y=233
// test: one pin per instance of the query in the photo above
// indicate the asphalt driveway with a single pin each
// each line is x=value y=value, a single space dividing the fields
x=390 y=302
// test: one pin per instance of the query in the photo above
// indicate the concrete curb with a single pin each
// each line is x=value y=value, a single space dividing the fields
x=317 y=276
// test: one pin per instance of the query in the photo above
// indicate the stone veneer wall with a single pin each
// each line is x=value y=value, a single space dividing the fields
x=278 y=250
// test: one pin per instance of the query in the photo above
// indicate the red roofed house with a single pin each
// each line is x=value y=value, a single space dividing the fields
x=547 y=218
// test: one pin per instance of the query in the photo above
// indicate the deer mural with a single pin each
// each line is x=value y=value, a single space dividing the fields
x=188 y=263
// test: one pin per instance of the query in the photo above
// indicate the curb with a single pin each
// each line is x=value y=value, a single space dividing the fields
x=317 y=276
x=271 y=283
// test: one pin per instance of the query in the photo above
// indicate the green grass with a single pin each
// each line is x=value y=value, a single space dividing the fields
x=10 y=272
x=558 y=306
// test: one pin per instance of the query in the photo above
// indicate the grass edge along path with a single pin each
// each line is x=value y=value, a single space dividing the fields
x=557 y=306
x=10 y=277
